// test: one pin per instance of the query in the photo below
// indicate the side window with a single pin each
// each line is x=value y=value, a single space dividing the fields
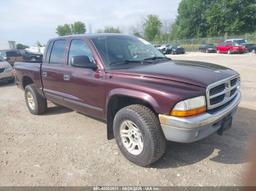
x=58 y=52
x=48 y=51
x=12 y=53
x=79 y=48
x=2 y=53
x=228 y=43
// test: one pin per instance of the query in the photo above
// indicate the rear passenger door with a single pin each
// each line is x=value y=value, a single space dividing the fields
x=54 y=69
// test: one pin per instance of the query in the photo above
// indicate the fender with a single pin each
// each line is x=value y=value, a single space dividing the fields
x=134 y=94
x=129 y=93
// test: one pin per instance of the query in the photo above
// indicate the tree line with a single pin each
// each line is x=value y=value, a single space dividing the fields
x=205 y=18
x=195 y=19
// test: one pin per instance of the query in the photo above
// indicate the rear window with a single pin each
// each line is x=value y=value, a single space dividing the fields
x=58 y=52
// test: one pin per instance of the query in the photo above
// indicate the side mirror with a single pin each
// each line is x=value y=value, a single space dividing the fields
x=82 y=62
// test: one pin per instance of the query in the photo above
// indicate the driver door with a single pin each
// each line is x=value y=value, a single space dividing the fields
x=83 y=86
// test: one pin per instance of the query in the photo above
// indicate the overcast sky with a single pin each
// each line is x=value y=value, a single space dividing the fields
x=27 y=21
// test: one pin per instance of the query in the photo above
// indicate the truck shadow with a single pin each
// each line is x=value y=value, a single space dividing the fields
x=231 y=148
x=6 y=84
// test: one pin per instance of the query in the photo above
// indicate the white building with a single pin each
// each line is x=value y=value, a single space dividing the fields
x=36 y=49
x=7 y=45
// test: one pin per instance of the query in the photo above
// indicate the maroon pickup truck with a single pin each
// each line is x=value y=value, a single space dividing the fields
x=144 y=97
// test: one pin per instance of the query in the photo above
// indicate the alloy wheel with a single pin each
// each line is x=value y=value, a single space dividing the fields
x=131 y=137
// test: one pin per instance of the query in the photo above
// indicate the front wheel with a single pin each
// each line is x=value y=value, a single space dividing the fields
x=36 y=103
x=138 y=135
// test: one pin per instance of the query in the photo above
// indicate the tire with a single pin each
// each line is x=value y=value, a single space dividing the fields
x=147 y=129
x=35 y=102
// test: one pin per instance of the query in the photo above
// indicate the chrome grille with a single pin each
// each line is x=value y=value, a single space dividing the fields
x=221 y=92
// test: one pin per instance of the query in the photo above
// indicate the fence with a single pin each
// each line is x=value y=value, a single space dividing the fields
x=193 y=44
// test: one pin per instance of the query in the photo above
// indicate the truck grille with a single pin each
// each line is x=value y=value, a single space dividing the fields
x=221 y=92
x=2 y=70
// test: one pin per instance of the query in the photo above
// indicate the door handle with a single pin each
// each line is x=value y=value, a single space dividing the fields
x=44 y=74
x=66 y=77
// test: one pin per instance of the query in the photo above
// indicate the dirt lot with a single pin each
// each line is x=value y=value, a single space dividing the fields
x=63 y=147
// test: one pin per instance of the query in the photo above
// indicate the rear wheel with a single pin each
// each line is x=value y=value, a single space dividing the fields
x=138 y=135
x=36 y=103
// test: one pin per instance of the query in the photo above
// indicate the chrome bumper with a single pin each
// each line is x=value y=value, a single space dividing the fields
x=190 y=129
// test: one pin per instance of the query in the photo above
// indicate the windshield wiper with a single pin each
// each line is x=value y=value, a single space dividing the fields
x=122 y=62
x=156 y=58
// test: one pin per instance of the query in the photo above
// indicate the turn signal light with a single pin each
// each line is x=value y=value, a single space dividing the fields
x=186 y=113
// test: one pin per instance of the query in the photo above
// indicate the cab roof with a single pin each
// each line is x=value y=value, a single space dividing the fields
x=91 y=35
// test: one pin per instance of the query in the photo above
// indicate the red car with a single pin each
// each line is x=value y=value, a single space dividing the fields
x=230 y=47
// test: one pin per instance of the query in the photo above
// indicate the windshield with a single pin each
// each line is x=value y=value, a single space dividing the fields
x=117 y=51
x=174 y=46
x=22 y=51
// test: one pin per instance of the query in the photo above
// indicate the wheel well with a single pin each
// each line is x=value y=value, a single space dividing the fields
x=115 y=104
x=26 y=81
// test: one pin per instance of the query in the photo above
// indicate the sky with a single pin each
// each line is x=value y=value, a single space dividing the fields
x=29 y=21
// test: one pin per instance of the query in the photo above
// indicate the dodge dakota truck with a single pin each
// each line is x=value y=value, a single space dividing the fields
x=144 y=97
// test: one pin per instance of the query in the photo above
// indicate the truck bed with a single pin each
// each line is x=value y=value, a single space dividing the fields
x=29 y=69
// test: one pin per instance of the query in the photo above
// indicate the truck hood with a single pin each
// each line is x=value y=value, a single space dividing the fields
x=190 y=72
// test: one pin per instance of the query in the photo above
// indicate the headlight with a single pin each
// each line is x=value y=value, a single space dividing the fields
x=238 y=82
x=189 y=107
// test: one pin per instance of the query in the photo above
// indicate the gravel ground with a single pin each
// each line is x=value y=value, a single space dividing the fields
x=65 y=148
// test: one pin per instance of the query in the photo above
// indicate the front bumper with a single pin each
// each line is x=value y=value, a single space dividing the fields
x=211 y=50
x=179 y=51
x=5 y=76
x=191 y=129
